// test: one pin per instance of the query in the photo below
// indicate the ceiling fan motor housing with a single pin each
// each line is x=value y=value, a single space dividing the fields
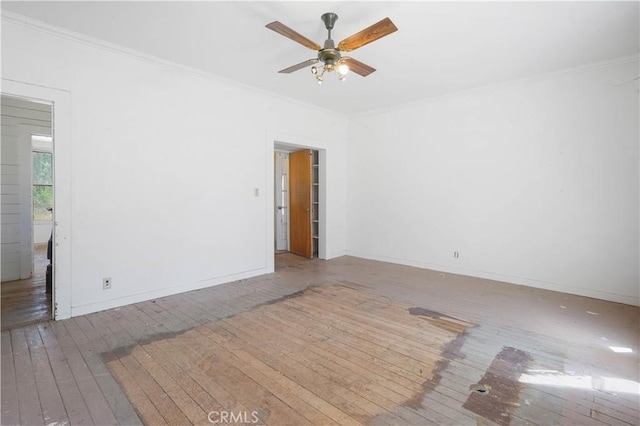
x=329 y=54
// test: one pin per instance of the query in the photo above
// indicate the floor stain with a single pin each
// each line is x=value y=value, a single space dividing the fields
x=451 y=351
x=501 y=378
x=438 y=319
x=427 y=313
x=119 y=352
x=285 y=297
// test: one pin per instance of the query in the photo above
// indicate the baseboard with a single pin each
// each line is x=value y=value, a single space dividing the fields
x=141 y=297
x=528 y=282
x=335 y=254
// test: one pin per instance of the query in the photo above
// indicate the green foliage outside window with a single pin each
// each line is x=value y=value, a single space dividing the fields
x=42 y=200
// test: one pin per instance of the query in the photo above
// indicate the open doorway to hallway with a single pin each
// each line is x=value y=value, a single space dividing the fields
x=26 y=291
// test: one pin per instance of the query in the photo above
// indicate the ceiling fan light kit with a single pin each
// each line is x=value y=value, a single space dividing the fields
x=331 y=56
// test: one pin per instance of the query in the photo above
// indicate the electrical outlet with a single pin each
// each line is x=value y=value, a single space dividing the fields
x=106 y=283
x=456 y=254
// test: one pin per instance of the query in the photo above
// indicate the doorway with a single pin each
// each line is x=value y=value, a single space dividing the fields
x=26 y=290
x=296 y=203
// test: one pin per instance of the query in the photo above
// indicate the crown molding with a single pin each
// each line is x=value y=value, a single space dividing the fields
x=43 y=27
x=635 y=57
x=52 y=30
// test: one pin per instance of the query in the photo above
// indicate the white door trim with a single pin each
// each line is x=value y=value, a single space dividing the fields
x=61 y=101
x=296 y=142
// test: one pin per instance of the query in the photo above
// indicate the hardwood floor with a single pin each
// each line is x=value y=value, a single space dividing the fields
x=328 y=355
x=26 y=302
x=346 y=341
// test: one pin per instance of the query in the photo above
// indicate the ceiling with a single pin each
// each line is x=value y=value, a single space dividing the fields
x=439 y=48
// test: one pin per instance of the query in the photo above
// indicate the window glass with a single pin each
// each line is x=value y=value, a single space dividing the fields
x=42 y=186
x=42 y=200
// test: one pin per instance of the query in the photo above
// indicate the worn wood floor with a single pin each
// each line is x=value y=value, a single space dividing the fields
x=346 y=341
x=24 y=302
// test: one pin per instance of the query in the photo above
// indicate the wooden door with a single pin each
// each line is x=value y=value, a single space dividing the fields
x=301 y=241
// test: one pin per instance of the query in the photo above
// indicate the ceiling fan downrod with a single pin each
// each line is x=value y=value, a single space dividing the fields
x=329 y=20
x=329 y=55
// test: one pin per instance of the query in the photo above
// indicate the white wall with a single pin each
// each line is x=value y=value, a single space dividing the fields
x=19 y=120
x=532 y=182
x=164 y=162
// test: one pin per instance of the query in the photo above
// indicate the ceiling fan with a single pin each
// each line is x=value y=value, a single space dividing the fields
x=330 y=55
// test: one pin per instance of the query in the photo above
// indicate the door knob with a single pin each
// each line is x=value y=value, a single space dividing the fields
x=282 y=207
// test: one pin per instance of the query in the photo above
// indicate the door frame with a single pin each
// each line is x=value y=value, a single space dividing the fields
x=60 y=101
x=282 y=141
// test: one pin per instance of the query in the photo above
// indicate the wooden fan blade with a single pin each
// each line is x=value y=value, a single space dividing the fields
x=299 y=66
x=358 y=67
x=366 y=36
x=282 y=29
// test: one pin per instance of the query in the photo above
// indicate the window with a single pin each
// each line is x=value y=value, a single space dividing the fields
x=42 y=181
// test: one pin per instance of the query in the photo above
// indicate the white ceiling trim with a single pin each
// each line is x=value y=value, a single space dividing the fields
x=36 y=25
x=491 y=87
x=441 y=47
